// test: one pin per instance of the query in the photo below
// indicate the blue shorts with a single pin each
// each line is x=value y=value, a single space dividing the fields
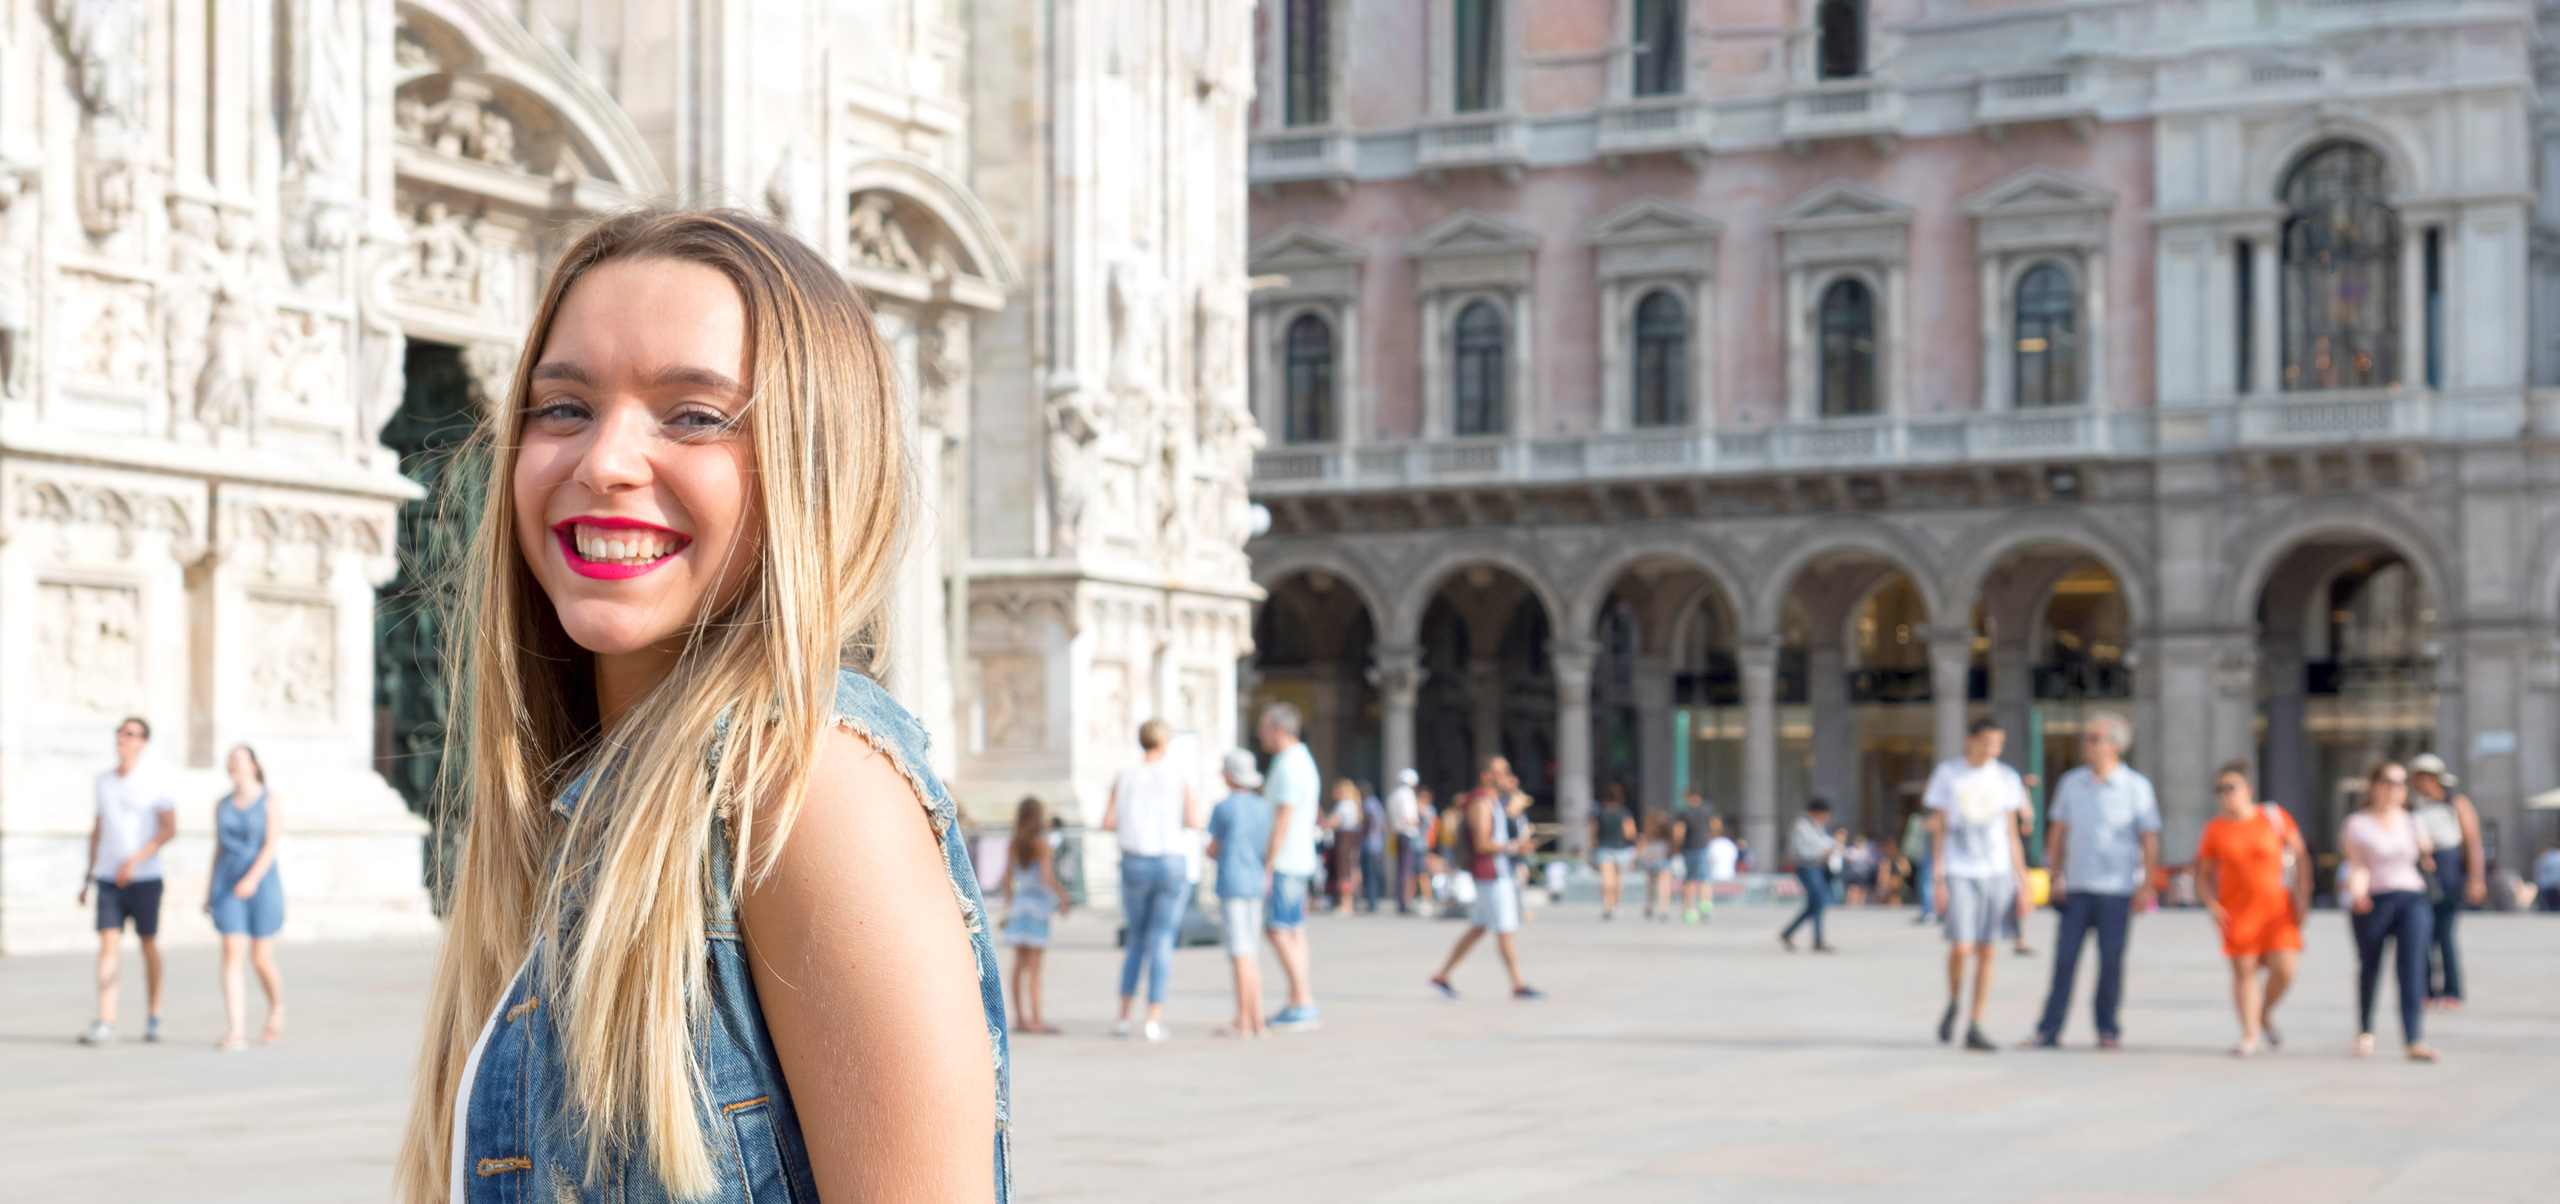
x=137 y=901
x=1694 y=864
x=1288 y=911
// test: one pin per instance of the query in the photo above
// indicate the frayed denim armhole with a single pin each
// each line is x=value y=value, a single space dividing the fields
x=868 y=712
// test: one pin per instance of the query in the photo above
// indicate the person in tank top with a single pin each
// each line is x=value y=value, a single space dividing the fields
x=2452 y=826
x=692 y=512
x=246 y=897
x=1153 y=810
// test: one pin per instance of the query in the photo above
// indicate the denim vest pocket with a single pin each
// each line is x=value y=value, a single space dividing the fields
x=764 y=1168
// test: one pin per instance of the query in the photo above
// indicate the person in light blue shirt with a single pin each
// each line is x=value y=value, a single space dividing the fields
x=1293 y=786
x=2103 y=838
x=1239 y=832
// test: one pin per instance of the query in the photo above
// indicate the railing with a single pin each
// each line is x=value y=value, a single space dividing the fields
x=1287 y=155
x=1473 y=140
x=2034 y=96
x=2060 y=434
x=1842 y=109
x=1654 y=124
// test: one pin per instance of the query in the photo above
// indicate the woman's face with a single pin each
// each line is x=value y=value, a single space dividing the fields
x=242 y=768
x=633 y=482
x=2391 y=788
x=2233 y=791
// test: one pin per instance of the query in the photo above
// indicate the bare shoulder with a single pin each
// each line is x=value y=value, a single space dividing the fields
x=860 y=818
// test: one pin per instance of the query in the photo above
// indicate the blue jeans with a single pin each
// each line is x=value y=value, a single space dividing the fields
x=1152 y=894
x=2081 y=911
x=2402 y=917
x=1817 y=896
x=1928 y=888
x=1373 y=876
x=2444 y=969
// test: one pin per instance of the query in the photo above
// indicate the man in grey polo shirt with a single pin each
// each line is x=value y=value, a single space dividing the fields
x=2103 y=837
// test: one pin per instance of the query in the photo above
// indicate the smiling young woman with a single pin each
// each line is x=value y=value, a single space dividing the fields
x=713 y=934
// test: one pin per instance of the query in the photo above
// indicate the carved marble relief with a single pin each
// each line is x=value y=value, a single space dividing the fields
x=1107 y=721
x=310 y=356
x=293 y=674
x=110 y=319
x=214 y=314
x=446 y=256
x=101 y=43
x=20 y=186
x=877 y=238
x=466 y=124
x=88 y=647
x=1015 y=691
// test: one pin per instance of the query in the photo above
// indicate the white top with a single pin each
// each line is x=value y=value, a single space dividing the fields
x=1980 y=807
x=1722 y=853
x=129 y=807
x=470 y=1075
x=2443 y=826
x=1149 y=797
x=1291 y=781
x=1404 y=811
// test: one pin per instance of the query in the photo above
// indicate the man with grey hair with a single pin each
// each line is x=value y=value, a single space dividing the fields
x=1292 y=785
x=2102 y=840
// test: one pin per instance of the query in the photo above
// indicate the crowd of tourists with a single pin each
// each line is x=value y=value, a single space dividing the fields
x=2412 y=861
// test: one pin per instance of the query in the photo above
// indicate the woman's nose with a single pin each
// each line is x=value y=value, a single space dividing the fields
x=617 y=457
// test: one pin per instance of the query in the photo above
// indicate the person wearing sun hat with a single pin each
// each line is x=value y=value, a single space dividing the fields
x=2453 y=828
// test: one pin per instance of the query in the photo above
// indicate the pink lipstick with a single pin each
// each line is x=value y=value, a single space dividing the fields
x=615 y=549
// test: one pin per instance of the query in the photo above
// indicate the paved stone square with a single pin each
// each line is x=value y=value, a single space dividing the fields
x=1673 y=1063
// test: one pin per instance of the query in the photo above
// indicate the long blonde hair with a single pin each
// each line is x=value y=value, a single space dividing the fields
x=830 y=494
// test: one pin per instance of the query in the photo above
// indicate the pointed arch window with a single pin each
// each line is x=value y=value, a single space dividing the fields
x=1848 y=329
x=1309 y=359
x=1840 y=39
x=1476 y=44
x=1661 y=360
x=1310 y=81
x=1482 y=346
x=2048 y=337
x=2341 y=273
x=1660 y=28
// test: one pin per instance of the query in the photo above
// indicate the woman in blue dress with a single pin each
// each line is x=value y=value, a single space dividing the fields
x=247 y=898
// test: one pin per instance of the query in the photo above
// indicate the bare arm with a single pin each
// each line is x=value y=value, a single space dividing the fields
x=2474 y=858
x=2057 y=841
x=868 y=984
x=1279 y=831
x=2150 y=864
x=160 y=836
x=1048 y=875
x=1111 y=809
x=266 y=855
x=2302 y=871
x=1191 y=817
x=1938 y=859
x=2018 y=866
x=89 y=866
x=2208 y=885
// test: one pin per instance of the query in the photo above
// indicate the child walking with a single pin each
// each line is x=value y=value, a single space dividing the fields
x=1032 y=892
x=1239 y=829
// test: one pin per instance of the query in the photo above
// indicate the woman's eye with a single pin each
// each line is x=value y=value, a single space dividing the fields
x=694 y=422
x=559 y=411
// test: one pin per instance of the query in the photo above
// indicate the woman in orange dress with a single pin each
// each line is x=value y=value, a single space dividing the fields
x=2241 y=869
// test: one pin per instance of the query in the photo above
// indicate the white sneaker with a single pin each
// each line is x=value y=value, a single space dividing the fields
x=1155 y=1031
x=99 y=1032
x=1122 y=1029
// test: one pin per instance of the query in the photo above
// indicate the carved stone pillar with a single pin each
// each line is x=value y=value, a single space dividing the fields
x=1572 y=663
x=1950 y=662
x=2013 y=693
x=2286 y=777
x=1835 y=748
x=1653 y=732
x=1484 y=689
x=1398 y=675
x=1759 y=664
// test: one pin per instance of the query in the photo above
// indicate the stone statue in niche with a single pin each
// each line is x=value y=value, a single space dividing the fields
x=466 y=124
x=945 y=361
x=235 y=349
x=187 y=295
x=446 y=255
x=382 y=347
x=1137 y=326
x=878 y=239
x=100 y=41
x=311 y=363
x=17 y=311
x=324 y=39
x=1072 y=431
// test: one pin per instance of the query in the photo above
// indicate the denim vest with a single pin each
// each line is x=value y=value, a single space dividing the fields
x=519 y=1147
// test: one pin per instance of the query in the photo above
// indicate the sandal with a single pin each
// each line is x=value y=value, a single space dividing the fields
x=2364 y=1045
x=2422 y=1052
x=2247 y=1048
x=231 y=1044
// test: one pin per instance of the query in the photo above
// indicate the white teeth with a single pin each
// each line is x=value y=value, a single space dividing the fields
x=629 y=548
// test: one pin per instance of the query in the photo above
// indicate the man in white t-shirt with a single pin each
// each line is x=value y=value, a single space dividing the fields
x=1292 y=787
x=1404 y=816
x=136 y=816
x=1979 y=864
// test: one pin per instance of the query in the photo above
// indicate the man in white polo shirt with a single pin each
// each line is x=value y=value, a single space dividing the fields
x=1980 y=866
x=136 y=816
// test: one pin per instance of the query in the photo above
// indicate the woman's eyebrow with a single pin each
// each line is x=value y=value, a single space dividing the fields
x=563 y=370
x=684 y=374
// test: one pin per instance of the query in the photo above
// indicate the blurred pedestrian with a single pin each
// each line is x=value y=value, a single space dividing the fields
x=1152 y=810
x=1032 y=896
x=2251 y=872
x=1811 y=843
x=2546 y=879
x=136 y=817
x=1720 y=857
x=1613 y=845
x=1691 y=829
x=2102 y=843
x=1239 y=831
x=1341 y=827
x=1406 y=825
x=1490 y=838
x=245 y=897
x=1916 y=840
x=1980 y=867
x=1654 y=856
x=2452 y=825
x=2386 y=893
x=1374 y=879
x=1292 y=784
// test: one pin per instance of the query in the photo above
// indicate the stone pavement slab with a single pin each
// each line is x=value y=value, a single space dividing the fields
x=1672 y=1064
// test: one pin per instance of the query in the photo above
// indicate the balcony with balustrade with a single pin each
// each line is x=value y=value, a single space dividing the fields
x=1650 y=125
x=1495 y=141
x=1326 y=155
x=2021 y=97
x=1848 y=108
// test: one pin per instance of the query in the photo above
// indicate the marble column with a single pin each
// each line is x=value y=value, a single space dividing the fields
x=1484 y=689
x=1398 y=675
x=1572 y=663
x=1950 y=661
x=1835 y=745
x=2286 y=777
x=2013 y=694
x=1758 y=658
x=1653 y=733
